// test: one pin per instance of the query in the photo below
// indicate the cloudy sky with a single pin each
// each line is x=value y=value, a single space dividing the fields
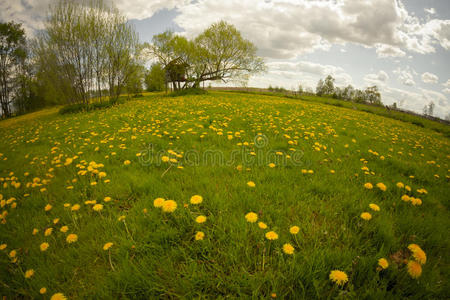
x=402 y=46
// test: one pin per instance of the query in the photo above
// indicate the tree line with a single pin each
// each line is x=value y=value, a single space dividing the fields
x=326 y=87
x=88 y=50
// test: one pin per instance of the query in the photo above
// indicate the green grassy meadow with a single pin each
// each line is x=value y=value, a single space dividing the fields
x=309 y=163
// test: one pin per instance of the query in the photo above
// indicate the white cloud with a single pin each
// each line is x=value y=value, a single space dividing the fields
x=140 y=9
x=429 y=78
x=384 y=50
x=283 y=28
x=306 y=67
x=431 y=10
x=378 y=79
x=447 y=84
x=446 y=90
x=415 y=101
x=406 y=76
x=439 y=99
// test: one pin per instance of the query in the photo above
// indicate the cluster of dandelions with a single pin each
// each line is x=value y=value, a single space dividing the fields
x=169 y=206
x=271 y=235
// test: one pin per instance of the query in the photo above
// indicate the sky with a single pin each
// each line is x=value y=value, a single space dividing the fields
x=402 y=46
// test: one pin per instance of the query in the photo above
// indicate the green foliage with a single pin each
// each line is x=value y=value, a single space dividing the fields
x=12 y=55
x=80 y=107
x=218 y=53
x=155 y=78
x=87 y=46
x=186 y=92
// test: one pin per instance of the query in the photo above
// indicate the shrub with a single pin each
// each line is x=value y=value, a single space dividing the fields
x=79 y=107
x=186 y=92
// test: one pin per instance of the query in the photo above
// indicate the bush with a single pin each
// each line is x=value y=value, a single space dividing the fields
x=79 y=107
x=418 y=123
x=186 y=92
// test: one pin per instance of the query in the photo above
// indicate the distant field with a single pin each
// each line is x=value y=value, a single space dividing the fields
x=290 y=192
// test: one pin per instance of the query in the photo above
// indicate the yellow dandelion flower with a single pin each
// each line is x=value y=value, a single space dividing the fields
x=374 y=207
x=107 y=246
x=165 y=158
x=121 y=218
x=97 y=207
x=44 y=246
x=251 y=184
x=418 y=254
x=366 y=216
x=200 y=219
x=271 y=165
x=71 y=238
x=196 y=199
x=251 y=217
x=406 y=198
x=382 y=262
x=47 y=207
x=294 y=229
x=338 y=277
x=271 y=235
x=64 y=229
x=381 y=186
x=414 y=269
x=288 y=248
x=12 y=254
x=199 y=236
x=35 y=231
x=169 y=206
x=415 y=201
x=368 y=185
x=400 y=185
x=3 y=246
x=58 y=296
x=158 y=202
x=414 y=247
x=42 y=291
x=48 y=231
x=408 y=188
x=127 y=162
x=29 y=273
x=262 y=225
x=107 y=199
x=75 y=207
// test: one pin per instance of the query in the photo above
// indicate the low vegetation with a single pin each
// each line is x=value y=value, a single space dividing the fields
x=223 y=195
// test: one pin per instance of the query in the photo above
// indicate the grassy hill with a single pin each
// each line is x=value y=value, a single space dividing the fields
x=289 y=191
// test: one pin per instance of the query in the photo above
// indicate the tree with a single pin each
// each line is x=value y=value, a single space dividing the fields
x=431 y=108
x=372 y=95
x=12 y=55
x=135 y=80
x=155 y=78
x=320 y=88
x=348 y=92
x=218 y=53
x=88 y=46
x=328 y=85
x=428 y=110
x=325 y=87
